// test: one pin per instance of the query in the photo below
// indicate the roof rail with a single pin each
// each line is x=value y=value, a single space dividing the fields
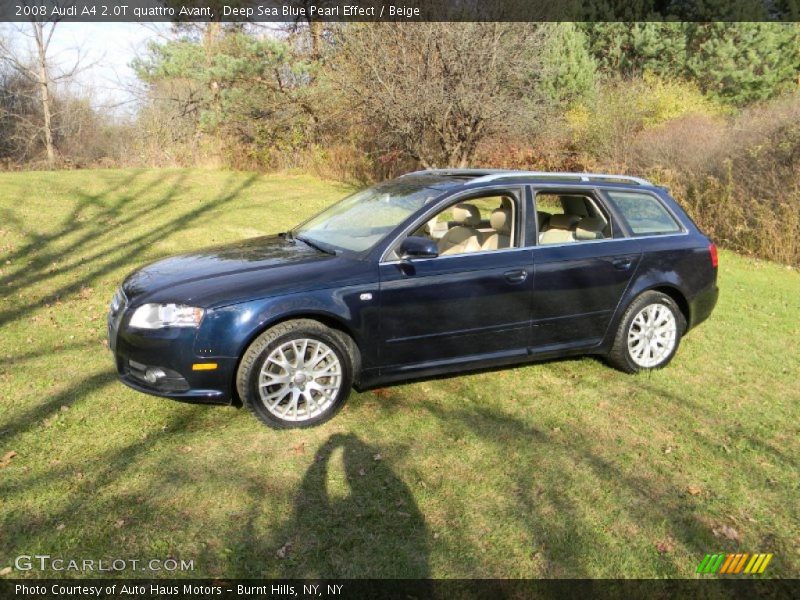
x=457 y=172
x=484 y=175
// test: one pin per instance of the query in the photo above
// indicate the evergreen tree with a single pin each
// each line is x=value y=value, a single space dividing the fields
x=744 y=62
x=736 y=63
x=569 y=71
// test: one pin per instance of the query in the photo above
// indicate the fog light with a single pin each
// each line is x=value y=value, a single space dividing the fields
x=153 y=375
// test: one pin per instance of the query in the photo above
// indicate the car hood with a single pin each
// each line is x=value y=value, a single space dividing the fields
x=210 y=272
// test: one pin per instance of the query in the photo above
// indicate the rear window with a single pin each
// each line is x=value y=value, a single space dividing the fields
x=644 y=213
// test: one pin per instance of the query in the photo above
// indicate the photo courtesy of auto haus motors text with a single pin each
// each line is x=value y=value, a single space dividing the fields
x=418 y=299
x=134 y=590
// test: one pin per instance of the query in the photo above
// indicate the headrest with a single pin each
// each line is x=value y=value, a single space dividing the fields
x=501 y=220
x=541 y=218
x=563 y=221
x=590 y=229
x=466 y=214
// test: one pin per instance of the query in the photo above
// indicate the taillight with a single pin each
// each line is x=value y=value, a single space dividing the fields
x=712 y=251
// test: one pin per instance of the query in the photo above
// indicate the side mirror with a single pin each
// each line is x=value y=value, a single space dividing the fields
x=418 y=247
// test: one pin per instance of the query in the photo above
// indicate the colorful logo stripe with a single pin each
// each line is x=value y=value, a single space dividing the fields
x=732 y=564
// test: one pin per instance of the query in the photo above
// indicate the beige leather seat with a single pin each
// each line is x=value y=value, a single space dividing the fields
x=464 y=237
x=559 y=229
x=501 y=223
x=590 y=229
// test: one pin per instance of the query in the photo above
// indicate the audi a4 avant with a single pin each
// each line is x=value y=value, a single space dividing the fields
x=438 y=271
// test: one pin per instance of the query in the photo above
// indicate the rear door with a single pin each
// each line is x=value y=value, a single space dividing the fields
x=579 y=280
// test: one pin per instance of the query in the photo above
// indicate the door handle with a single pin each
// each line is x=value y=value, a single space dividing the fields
x=623 y=264
x=516 y=276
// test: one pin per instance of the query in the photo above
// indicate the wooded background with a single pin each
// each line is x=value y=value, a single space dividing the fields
x=711 y=110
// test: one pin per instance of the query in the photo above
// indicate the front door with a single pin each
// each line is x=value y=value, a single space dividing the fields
x=473 y=301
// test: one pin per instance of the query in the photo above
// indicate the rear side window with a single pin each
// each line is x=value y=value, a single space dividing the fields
x=644 y=213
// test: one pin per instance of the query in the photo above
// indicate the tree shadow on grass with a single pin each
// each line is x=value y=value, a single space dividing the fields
x=93 y=236
x=554 y=499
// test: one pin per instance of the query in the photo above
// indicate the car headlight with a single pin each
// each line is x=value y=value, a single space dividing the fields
x=117 y=300
x=156 y=316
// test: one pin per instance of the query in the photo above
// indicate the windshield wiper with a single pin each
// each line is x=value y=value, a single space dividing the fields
x=315 y=245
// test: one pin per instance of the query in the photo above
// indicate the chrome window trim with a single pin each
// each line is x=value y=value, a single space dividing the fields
x=462 y=255
x=535 y=188
x=606 y=240
x=559 y=245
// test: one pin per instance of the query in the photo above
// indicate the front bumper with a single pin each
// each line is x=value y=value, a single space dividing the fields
x=170 y=352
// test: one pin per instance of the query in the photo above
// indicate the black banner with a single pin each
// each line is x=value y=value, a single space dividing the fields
x=407 y=589
x=398 y=10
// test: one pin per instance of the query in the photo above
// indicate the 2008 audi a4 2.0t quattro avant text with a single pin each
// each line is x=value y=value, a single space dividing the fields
x=435 y=272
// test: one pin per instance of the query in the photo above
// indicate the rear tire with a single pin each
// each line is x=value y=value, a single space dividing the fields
x=648 y=334
x=296 y=374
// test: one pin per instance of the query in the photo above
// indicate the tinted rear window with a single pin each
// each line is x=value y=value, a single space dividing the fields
x=644 y=213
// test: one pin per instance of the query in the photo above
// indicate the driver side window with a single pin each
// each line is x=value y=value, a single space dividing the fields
x=474 y=225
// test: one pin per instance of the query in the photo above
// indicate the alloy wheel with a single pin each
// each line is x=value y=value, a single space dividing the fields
x=652 y=335
x=300 y=379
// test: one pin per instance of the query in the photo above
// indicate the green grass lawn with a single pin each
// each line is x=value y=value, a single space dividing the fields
x=560 y=469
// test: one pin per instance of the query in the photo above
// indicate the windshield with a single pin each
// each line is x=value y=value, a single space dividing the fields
x=362 y=220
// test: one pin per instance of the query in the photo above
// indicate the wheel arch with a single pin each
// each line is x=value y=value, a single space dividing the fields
x=679 y=298
x=671 y=290
x=329 y=320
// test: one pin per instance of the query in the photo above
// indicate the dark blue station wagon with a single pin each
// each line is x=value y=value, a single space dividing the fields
x=435 y=272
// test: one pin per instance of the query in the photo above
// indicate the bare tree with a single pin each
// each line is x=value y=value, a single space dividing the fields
x=43 y=71
x=435 y=90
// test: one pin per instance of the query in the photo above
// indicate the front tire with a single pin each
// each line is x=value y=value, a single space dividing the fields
x=648 y=335
x=296 y=374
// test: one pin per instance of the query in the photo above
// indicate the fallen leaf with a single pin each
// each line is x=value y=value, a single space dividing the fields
x=403 y=514
x=663 y=547
x=436 y=536
x=377 y=457
x=668 y=450
x=728 y=532
x=60 y=527
x=5 y=571
x=694 y=490
x=299 y=448
x=284 y=550
x=6 y=459
x=119 y=523
x=362 y=472
x=186 y=449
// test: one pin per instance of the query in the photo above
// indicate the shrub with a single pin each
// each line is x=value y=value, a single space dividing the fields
x=603 y=128
x=740 y=180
